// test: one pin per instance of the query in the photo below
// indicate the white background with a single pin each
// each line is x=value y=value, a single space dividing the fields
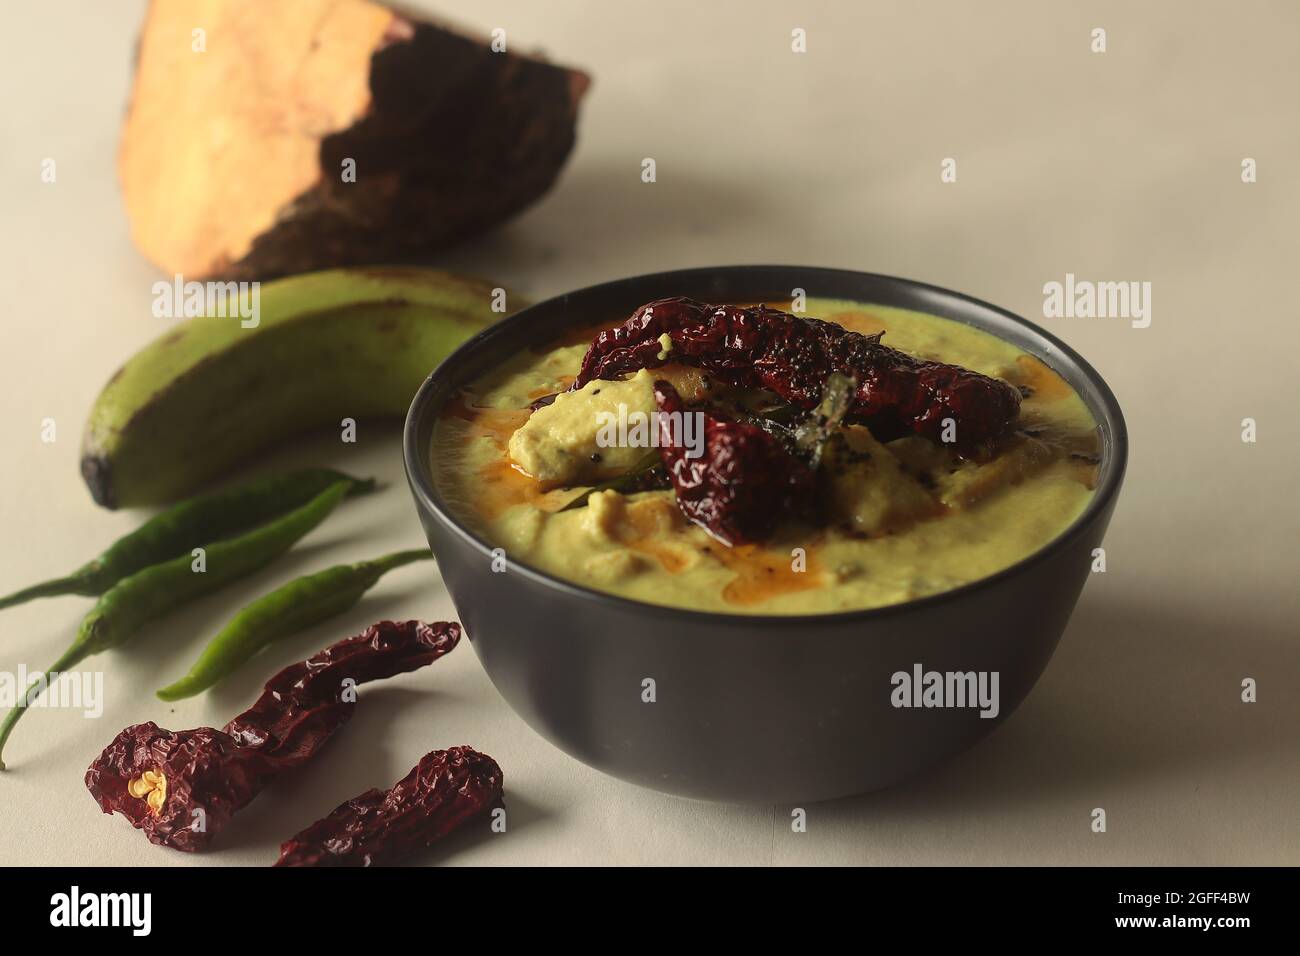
x=1122 y=166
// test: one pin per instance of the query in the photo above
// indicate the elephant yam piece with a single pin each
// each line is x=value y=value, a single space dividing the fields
x=267 y=137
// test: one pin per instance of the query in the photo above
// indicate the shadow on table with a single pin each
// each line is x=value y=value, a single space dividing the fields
x=601 y=222
x=1133 y=692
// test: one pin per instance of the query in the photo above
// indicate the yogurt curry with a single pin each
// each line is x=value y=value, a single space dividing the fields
x=741 y=459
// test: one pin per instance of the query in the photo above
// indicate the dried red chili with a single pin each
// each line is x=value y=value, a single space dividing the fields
x=182 y=787
x=444 y=790
x=793 y=356
x=744 y=482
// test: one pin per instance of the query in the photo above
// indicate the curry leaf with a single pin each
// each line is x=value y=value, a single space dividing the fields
x=813 y=434
x=631 y=480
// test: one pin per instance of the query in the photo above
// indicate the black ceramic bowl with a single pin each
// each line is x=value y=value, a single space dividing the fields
x=754 y=709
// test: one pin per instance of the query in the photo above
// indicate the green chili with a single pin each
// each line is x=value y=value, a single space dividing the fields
x=284 y=611
x=124 y=608
x=190 y=524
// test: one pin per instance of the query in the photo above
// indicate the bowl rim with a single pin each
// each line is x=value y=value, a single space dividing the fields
x=1114 y=451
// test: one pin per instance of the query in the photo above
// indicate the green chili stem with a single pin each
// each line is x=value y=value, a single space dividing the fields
x=71 y=658
x=72 y=584
x=124 y=608
x=288 y=609
x=400 y=558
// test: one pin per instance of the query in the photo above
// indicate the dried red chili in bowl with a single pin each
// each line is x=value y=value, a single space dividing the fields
x=182 y=787
x=743 y=483
x=446 y=789
x=793 y=356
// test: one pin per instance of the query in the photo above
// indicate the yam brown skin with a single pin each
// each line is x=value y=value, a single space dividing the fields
x=232 y=157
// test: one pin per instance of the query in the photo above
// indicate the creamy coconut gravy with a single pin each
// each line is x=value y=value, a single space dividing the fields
x=910 y=519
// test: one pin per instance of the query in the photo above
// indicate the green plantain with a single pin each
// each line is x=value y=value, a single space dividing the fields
x=213 y=391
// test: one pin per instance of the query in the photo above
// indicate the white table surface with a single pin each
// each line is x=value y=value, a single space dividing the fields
x=1116 y=166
